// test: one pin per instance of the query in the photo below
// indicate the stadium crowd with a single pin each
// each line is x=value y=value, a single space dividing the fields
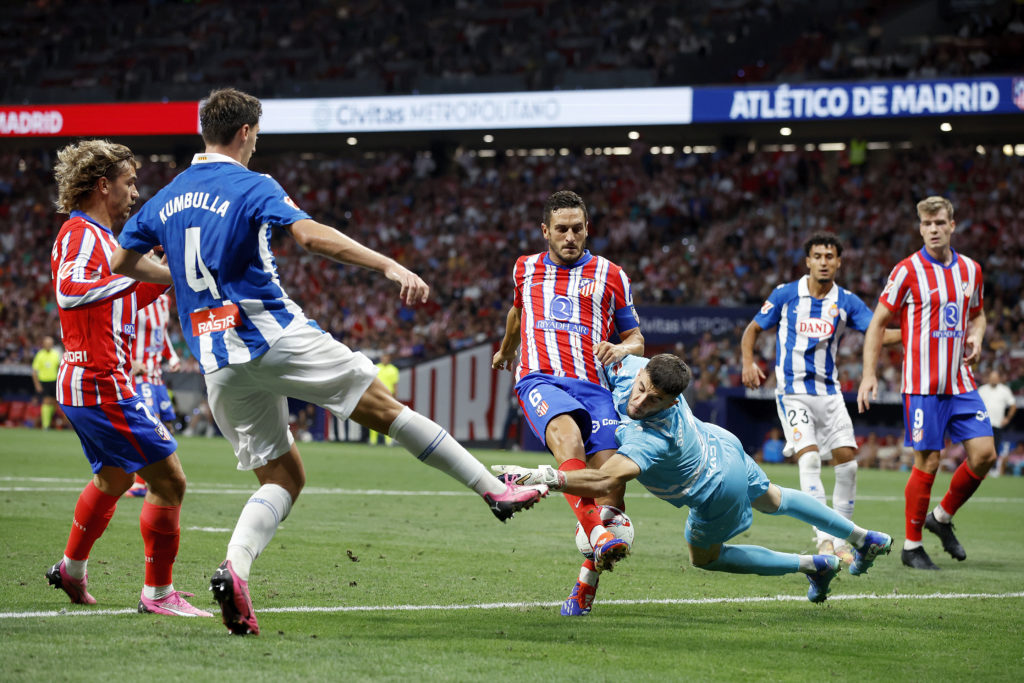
x=716 y=229
x=316 y=48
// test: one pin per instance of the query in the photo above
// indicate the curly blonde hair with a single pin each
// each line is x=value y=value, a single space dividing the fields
x=929 y=206
x=81 y=164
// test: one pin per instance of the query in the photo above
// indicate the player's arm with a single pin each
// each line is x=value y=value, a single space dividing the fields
x=169 y=354
x=612 y=476
x=873 y=338
x=975 y=336
x=138 y=267
x=631 y=343
x=891 y=336
x=39 y=386
x=325 y=241
x=752 y=373
x=505 y=357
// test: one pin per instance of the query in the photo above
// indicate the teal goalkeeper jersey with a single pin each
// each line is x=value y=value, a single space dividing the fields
x=678 y=455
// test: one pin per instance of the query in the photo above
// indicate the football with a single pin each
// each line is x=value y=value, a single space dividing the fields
x=616 y=521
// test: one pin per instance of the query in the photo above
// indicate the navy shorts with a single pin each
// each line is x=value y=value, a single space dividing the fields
x=123 y=434
x=927 y=419
x=157 y=398
x=544 y=397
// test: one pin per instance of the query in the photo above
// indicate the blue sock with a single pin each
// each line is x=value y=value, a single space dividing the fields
x=753 y=559
x=803 y=507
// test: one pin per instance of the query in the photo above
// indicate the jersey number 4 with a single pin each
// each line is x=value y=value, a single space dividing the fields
x=198 y=275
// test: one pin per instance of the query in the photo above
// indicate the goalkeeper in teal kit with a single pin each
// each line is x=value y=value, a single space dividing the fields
x=698 y=465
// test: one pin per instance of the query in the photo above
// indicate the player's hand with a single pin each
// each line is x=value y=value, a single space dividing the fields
x=867 y=393
x=174 y=364
x=414 y=289
x=138 y=368
x=503 y=361
x=608 y=353
x=972 y=350
x=524 y=476
x=752 y=376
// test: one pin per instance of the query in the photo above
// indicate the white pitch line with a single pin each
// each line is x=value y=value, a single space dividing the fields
x=211 y=489
x=520 y=605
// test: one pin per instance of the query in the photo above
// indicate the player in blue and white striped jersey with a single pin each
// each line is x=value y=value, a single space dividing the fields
x=811 y=315
x=254 y=344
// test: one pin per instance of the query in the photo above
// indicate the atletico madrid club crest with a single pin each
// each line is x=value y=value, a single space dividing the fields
x=586 y=287
x=542 y=408
x=1018 y=93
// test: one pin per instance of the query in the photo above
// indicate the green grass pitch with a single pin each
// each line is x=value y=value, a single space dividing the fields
x=388 y=570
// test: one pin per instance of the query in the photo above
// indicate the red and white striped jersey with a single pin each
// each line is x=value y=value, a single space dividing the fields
x=97 y=314
x=151 y=346
x=567 y=311
x=936 y=303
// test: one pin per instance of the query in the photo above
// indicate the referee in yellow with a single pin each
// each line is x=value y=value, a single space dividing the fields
x=387 y=373
x=44 y=376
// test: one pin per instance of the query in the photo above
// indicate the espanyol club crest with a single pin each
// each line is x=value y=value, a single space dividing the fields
x=586 y=287
x=1018 y=93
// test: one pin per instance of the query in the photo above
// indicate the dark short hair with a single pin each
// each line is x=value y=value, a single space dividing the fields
x=669 y=374
x=824 y=239
x=224 y=112
x=563 y=199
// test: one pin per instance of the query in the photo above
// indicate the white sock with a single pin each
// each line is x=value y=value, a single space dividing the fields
x=845 y=492
x=75 y=568
x=910 y=545
x=429 y=442
x=157 y=592
x=262 y=514
x=941 y=514
x=588 y=576
x=857 y=536
x=809 y=465
x=807 y=561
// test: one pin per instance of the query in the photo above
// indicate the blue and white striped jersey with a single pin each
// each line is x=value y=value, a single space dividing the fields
x=809 y=331
x=679 y=456
x=214 y=221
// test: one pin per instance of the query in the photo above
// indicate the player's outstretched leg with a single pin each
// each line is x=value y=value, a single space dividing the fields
x=75 y=588
x=826 y=568
x=232 y=594
x=581 y=599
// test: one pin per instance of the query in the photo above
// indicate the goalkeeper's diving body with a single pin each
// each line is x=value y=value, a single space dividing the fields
x=691 y=463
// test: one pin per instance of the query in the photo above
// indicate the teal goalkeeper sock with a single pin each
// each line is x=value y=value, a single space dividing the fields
x=801 y=506
x=753 y=559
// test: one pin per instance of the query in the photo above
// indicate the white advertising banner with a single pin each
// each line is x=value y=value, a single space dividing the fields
x=626 y=107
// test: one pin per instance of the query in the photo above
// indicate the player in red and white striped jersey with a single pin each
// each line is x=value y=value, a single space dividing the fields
x=150 y=348
x=937 y=293
x=567 y=303
x=96 y=186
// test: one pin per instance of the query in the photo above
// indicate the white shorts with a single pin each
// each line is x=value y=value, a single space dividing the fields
x=809 y=420
x=249 y=400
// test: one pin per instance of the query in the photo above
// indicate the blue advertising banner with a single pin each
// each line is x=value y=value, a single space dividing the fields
x=671 y=324
x=867 y=100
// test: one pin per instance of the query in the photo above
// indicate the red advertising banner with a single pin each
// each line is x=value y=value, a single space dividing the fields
x=72 y=120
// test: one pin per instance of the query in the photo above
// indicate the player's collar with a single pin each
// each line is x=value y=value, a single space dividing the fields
x=214 y=158
x=804 y=289
x=931 y=259
x=581 y=261
x=84 y=216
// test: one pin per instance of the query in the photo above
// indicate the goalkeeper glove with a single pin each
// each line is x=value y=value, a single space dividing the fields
x=524 y=476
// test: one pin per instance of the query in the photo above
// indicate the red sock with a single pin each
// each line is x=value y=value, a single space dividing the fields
x=139 y=481
x=965 y=483
x=917 y=493
x=92 y=514
x=160 y=535
x=585 y=510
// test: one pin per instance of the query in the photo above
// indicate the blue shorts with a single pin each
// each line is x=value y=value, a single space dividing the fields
x=727 y=511
x=927 y=419
x=123 y=434
x=157 y=398
x=544 y=397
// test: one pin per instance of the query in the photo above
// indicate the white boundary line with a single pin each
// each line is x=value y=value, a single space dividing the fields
x=520 y=605
x=209 y=489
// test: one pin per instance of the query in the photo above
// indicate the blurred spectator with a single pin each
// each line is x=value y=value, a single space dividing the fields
x=773 y=446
